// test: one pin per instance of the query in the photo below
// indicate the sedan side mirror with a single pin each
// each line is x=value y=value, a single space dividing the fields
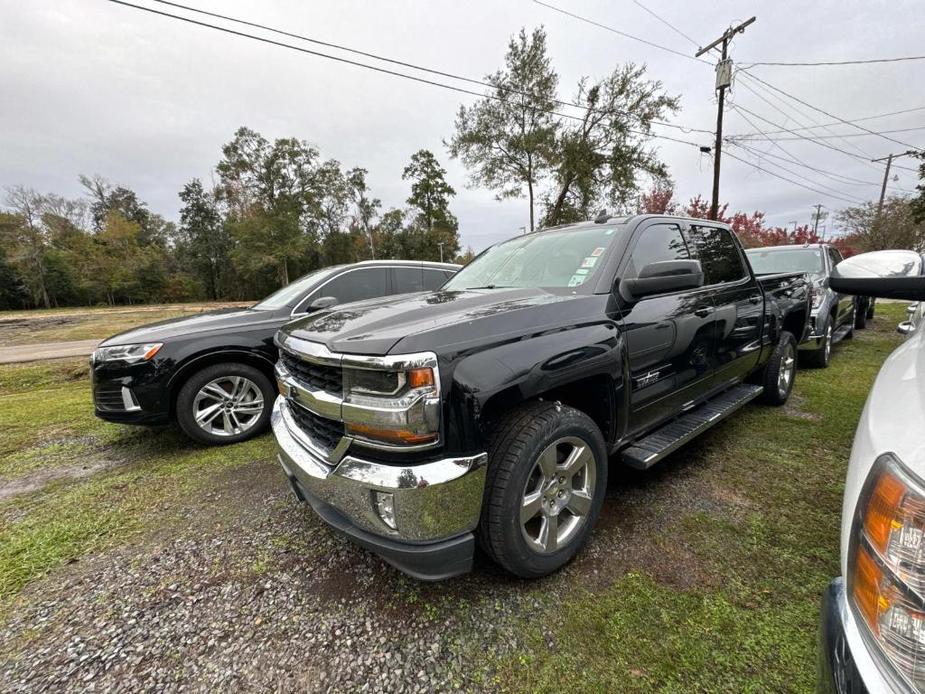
x=665 y=276
x=886 y=274
x=322 y=302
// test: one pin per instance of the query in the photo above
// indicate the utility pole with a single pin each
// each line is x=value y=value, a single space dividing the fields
x=817 y=217
x=723 y=80
x=886 y=175
x=440 y=244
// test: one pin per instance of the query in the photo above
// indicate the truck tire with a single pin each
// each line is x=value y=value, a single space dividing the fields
x=819 y=358
x=225 y=403
x=780 y=372
x=860 y=317
x=545 y=485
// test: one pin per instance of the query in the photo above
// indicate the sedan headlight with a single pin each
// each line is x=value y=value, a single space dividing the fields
x=886 y=566
x=128 y=353
x=395 y=403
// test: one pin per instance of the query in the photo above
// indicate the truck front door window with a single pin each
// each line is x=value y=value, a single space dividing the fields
x=718 y=254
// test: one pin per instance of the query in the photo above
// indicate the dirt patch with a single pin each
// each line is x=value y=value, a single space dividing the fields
x=34 y=481
x=794 y=408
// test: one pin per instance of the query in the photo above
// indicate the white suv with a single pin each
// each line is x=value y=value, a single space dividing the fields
x=873 y=617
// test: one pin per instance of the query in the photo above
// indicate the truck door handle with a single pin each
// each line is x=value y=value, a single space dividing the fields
x=703 y=312
x=754 y=298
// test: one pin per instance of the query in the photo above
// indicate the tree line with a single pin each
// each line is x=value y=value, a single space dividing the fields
x=275 y=210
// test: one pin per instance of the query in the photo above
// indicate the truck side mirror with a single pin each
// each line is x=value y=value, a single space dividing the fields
x=885 y=274
x=322 y=302
x=665 y=276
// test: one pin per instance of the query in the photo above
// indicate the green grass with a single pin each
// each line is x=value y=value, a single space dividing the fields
x=770 y=558
x=47 y=425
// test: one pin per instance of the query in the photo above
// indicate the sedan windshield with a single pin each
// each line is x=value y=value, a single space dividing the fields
x=766 y=261
x=567 y=258
x=293 y=292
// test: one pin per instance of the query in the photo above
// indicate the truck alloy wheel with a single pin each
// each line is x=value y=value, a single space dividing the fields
x=547 y=474
x=558 y=493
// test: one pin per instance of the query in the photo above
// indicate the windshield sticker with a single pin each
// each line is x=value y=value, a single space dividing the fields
x=589 y=261
x=581 y=271
x=575 y=280
x=599 y=251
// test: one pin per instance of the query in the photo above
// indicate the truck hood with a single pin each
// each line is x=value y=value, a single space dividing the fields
x=438 y=321
x=221 y=319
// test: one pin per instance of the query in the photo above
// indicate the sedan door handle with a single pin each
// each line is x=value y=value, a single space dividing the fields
x=703 y=312
x=754 y=298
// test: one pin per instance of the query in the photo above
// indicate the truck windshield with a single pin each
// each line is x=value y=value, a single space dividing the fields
x=293 y=292
x=554 y=259
x=766 y=261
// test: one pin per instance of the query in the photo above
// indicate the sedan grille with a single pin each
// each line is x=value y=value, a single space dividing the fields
x=315 y=376
x=322 y=431
x=108 y=396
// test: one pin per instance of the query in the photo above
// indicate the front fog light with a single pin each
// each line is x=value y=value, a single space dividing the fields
x=385 y=507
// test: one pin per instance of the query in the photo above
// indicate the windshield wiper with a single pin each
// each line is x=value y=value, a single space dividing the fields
x=492 y=286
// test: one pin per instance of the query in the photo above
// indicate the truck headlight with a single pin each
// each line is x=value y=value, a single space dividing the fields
x=127 y=353
x=886 y=566
x=818 y=296
x=393 y=401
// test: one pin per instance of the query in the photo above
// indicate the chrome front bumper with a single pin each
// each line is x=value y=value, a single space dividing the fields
x=433 y=501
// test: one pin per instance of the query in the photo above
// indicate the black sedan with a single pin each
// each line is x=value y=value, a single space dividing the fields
x=213 y=372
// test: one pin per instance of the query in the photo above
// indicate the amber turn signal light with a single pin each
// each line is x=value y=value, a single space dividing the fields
x=401 y=437
x=421 y=378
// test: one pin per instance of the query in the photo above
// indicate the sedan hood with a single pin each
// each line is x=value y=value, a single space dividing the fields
x=437 y=321
x=221 y=319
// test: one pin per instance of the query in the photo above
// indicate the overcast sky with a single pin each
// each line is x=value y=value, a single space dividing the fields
x=92 y=87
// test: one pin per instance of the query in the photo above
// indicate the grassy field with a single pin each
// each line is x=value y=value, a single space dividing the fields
x=705 y=573
x=83 y=323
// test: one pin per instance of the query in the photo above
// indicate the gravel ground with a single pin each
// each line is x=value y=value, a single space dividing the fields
x=246 y=589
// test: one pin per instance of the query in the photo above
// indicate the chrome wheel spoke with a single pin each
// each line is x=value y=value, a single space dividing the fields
x=547 y=462
x=576 y=461
x=205 y=416
x=549 y=533
x=579 y=503
x=532 y=505
x=213 y=390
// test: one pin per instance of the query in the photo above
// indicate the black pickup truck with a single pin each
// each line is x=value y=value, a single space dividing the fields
x=486 y=411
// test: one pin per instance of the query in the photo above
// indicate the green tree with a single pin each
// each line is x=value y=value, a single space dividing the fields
x=430 y=193
x=917 y=203
x=28 y=243
x=895 y=227
x=507 y=139
x=598 y=160
x=204 y=241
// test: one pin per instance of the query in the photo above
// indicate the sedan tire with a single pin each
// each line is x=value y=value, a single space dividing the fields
x=225 y=403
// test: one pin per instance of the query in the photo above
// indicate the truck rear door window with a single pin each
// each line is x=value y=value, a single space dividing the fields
x=718 y=254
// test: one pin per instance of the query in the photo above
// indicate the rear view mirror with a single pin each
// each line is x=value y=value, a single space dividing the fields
x=885 y=274
x=322 y=302
x=665 y=276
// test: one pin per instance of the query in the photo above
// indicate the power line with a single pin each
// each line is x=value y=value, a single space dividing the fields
x=795 y=108
x=754 y=136
x=375 y=68
x=668 y=24
x=840 y=62
x=802 y=137
x=830 y=115
x=794 y=160
x=784 y=178
x=840 y=177
x=393 y=61
x=619 y=33
x=853 y=120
